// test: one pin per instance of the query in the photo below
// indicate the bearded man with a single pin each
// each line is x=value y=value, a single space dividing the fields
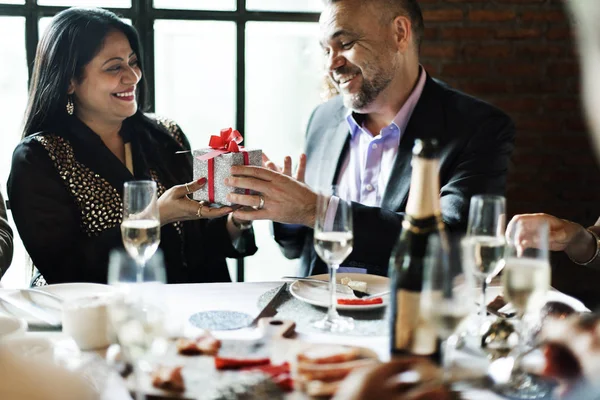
x=362 y=139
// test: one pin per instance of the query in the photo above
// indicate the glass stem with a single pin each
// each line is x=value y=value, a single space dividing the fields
x=332 y=312
x=139 y=392
x=140 y=272
x=483 y=307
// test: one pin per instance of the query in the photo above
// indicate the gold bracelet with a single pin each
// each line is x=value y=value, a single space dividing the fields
x=241 y=226
x=596 y=253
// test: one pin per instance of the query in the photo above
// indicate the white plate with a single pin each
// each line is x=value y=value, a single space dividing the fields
x=66 y=291
x=319 y=295
x=551 y=295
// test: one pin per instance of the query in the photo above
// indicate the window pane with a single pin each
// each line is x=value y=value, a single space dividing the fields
x=285 y=5
x=284 y=75
x=221 y=5
x=195 y=76
x=13 y=86
x=87 y=3
x=12 y=1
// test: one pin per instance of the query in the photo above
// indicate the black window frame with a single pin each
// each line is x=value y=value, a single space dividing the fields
x=142 y=13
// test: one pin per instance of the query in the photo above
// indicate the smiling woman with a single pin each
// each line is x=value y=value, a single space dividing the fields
x=85 y=135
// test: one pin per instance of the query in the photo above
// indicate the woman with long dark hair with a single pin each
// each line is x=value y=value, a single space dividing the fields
x=85 y=134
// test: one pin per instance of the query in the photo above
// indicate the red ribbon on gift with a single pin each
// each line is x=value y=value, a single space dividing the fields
x=227 y=142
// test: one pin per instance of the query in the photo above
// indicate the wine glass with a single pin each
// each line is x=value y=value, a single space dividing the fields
x=137 y=312
x=484 y=244
x=141 y=221
x=447 y=297
x=526 y=280
x=333 y=239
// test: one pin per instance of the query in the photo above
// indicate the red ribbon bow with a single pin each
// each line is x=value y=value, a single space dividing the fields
x=227 y=142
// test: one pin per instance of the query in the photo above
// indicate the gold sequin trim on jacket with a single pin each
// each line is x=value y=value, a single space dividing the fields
x=99 y=203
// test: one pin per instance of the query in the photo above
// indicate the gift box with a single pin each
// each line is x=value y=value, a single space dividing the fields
x=215 y=162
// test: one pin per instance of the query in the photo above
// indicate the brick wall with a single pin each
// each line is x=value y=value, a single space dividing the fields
x=519 y=55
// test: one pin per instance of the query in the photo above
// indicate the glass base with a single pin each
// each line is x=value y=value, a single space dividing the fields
x=527 y=387
x=337 y=324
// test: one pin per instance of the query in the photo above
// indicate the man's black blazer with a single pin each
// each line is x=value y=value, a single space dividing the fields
x=476 y=141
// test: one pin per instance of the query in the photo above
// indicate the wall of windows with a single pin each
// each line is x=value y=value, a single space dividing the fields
x=252 y=64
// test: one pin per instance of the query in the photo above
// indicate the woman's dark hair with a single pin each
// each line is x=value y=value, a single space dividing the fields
x=73 y=39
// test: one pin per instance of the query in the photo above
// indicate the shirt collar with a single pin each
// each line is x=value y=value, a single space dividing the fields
x=355 y=120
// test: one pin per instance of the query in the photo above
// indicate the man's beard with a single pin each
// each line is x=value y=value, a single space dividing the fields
x=369 y=89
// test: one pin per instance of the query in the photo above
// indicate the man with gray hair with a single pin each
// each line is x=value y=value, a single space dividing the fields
x=6 y=239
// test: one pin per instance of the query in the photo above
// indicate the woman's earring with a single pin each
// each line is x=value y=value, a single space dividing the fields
x=70 y=106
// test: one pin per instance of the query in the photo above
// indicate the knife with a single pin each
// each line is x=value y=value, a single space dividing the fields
x=33 y=310
x=271 y=308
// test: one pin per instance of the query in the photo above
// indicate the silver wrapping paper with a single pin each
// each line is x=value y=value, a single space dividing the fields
x=223 y=164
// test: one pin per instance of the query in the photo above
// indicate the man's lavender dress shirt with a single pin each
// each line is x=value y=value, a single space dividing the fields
x=367 y=166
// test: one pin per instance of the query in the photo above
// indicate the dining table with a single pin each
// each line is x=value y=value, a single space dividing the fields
x=182 y=301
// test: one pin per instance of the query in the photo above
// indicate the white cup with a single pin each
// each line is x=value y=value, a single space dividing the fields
x=86 y=320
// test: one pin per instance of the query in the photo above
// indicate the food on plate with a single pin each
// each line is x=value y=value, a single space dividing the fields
x=556 y=309
x=328 y=354
x=280 y=374
x=320 y=368
x=168 y=378
x=497 y=303
x=360 y=302
x=560 y=362
x=205 y=344
x=222 y=363
x=356 y=285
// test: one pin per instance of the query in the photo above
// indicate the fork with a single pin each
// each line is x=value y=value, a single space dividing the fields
x=358 y=293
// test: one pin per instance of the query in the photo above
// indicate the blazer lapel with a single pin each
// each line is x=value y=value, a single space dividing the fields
x=427 y=121
x=331 y=151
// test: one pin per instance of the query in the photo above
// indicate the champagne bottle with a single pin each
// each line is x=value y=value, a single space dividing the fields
x=409 y=332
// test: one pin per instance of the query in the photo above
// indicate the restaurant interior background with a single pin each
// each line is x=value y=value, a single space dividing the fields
x=256 y=65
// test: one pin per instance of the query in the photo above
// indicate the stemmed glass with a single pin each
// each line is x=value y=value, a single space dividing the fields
x=137 y=312
x=526 y=280
x=447 y=297
x=484 y=244
x=141 y=221
x=333 y=240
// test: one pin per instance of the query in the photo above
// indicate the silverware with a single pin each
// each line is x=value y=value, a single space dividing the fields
x=33 y=310
x=345 y=288
x=271 y=308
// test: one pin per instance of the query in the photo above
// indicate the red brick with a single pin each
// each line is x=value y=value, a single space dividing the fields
x=430 y=33
x=489 y=87
x=559 y=33
x=516 y=105
x=487 y=51
x=467 y=33
x=520 y=1
x=438 y=51
x=576 y=125
x=549 y=16
x=516 y=69
x=534 y=50
x=538 y=124
x=465 y=69
x=442 y=15
x=562 y=104
x=564 y=69
x=491 y=15
x=518 y=33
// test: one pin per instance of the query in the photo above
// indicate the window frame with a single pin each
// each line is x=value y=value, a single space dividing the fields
x=143 y=14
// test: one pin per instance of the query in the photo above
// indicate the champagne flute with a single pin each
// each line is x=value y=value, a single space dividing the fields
x=484 y=244
x=448 y=291
x=141 y=221
x=136 y=314
x=333 y=240
x=526 y=280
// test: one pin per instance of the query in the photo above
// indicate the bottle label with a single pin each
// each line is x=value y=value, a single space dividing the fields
x=414 y=334
x=408 y=305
